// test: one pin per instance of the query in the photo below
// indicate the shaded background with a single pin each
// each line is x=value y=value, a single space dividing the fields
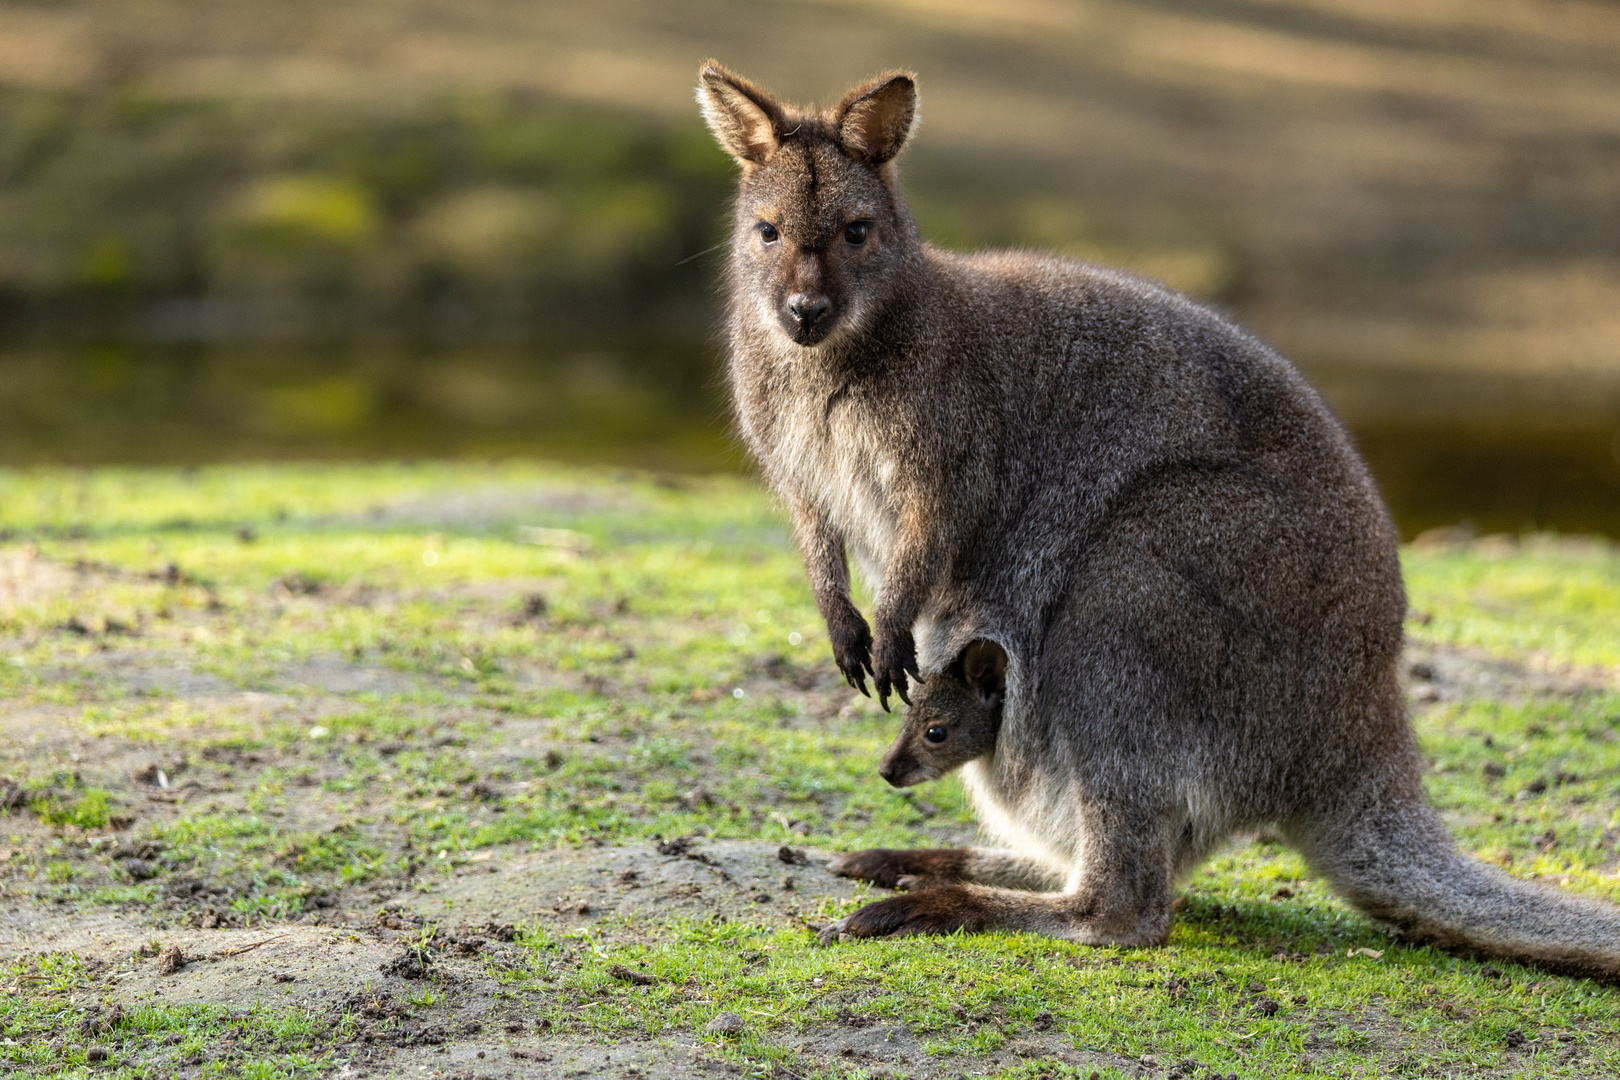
x=411 y=228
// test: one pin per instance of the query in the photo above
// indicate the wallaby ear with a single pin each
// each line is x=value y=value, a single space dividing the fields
x=984 y=666
x=745 y=118
x=875 y=118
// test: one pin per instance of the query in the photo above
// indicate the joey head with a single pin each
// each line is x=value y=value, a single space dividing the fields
x=952 y=719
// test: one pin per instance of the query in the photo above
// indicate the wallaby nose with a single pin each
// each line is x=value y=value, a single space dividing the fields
x=808 y=309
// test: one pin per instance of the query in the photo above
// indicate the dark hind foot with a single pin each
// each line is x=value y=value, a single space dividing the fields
x=944 y=909
x=973 y=909
x=886 y=866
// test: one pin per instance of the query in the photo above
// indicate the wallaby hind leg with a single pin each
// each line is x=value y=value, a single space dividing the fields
x=929 y=867
x=1121 y=897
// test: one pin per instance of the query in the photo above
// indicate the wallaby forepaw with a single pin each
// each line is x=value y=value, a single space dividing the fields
x=852 y=648
x=880 y=866
x=832 y=933
x=893 y=657
x=888 y=867
x=918 y=882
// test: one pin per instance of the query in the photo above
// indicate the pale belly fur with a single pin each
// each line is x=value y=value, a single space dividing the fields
x=1035 y=823
x=837 y=465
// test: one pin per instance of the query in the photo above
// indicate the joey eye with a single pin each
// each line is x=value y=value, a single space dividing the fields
x=855 y=232
x=935 y=734
x=767 y=232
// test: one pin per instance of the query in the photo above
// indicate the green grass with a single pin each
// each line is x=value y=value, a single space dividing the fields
x=521 y=695
x=1200 y=998
x=1546 y=601
x=48 y=1030
x=87 y=811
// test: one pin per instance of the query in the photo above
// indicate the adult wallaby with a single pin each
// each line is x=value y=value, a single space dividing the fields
x=1189 y=569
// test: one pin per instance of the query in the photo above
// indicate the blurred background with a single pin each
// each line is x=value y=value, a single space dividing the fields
x=414 y=228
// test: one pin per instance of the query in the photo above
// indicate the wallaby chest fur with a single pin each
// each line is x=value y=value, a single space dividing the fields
x=1186 y=565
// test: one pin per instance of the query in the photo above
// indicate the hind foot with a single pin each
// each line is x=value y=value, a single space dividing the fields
x=888 y=867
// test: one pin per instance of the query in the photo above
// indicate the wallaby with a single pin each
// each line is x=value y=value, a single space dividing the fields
x=1187 y=564
x=953 y=721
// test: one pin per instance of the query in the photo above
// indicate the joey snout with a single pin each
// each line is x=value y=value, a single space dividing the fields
x=900 y=768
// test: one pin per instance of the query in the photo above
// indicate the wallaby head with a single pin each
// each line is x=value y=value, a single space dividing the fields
x=954 y=718
x=821 y=235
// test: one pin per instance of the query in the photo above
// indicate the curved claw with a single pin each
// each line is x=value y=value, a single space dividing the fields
x=852 y=648
x=893 y=683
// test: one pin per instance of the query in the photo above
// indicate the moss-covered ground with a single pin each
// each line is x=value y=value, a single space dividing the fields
x=262 y=702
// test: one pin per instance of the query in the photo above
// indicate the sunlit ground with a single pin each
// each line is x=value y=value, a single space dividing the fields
x=367 y=681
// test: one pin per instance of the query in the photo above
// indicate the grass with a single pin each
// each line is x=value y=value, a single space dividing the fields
x=45 y=1004
x=1207 y=997
x=1549 y=601
x=371 y=674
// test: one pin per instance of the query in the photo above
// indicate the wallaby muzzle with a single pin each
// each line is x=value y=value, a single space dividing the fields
x=808 y=317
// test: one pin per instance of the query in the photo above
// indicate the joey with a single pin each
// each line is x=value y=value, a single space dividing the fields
x=953 y=719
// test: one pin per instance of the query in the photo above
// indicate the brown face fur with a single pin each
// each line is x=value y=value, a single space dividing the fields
x=820 y=231
x=953 y=720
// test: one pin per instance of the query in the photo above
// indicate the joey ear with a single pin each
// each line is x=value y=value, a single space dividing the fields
x=875 y=118
x=745 y=118
x=984 y=665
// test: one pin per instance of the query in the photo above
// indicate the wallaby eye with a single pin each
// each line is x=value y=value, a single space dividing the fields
x=935 y=734
x=855 y=232
x=767 y=232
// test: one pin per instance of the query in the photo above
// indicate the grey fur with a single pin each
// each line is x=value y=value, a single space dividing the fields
x=1185 y=560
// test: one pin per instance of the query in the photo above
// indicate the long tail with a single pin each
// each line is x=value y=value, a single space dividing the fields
x=1394 y=859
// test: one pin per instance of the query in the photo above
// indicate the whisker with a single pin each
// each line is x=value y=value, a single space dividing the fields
x=705 y=251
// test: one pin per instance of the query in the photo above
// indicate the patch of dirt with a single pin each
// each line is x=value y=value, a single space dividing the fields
x=27 y=579
x=339 y=675
x=613 y=887
x=896 y=1049
x=145 y=674
x=1443 y=673
x=498 y=504
x=152 y=673
x=739 y=880
x=370 y=964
